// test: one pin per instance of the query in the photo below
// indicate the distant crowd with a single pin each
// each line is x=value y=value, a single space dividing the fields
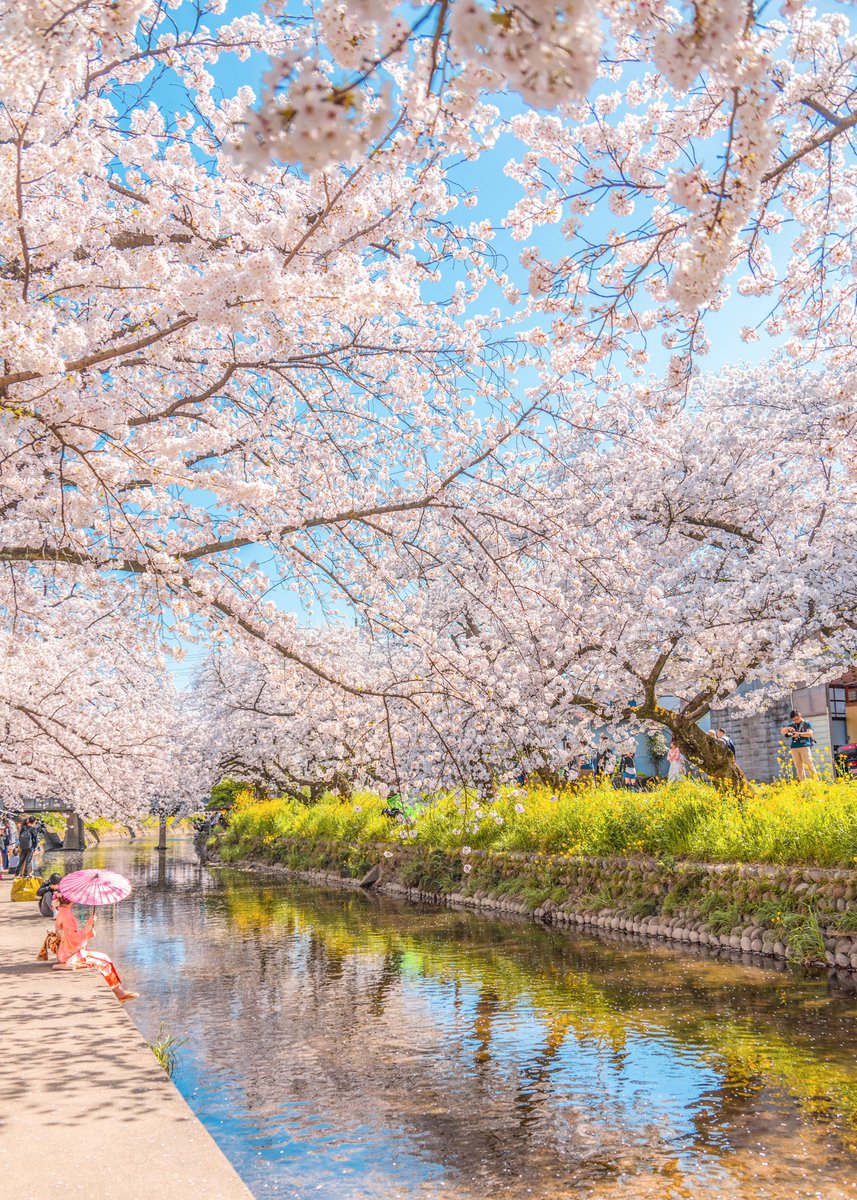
x=19 y=844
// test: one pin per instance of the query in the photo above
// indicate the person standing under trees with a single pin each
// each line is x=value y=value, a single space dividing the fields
x=26 y=842
x=800 y=733
x=605 y=758
x=7 y=839
x=723 y=737
x=676 y=762
x=628 y=766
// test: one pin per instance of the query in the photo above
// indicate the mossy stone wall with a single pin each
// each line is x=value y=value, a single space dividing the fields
x=804 y=914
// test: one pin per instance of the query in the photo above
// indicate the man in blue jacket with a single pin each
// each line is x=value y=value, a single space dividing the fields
x=800 y=735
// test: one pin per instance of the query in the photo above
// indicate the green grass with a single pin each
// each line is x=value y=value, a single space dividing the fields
x=806 y=824
x=165 y=1049
x=844 y=923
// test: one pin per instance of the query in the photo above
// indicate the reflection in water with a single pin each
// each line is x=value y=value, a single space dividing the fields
x=345 y=1047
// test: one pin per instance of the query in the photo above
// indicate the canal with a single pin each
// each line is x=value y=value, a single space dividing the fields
x=347 y=1047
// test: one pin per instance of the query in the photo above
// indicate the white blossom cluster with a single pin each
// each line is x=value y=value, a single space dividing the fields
x=88 y=712
x=546 y=51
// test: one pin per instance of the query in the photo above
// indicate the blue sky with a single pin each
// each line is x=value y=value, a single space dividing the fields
x=496 y=195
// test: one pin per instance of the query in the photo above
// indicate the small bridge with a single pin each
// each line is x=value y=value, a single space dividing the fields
x=74 y=837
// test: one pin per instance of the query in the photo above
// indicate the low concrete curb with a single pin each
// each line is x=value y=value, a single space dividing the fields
x=85 y=1109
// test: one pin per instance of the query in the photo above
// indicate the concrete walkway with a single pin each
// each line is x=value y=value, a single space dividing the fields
x=85 y=1108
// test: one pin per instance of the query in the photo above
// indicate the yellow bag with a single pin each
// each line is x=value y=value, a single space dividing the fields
x=25 y=889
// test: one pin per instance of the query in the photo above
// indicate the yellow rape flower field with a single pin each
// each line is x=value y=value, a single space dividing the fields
x=806 y=824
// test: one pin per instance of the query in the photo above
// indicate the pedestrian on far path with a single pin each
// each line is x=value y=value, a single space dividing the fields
x=676 y=762
x=7 y=839
x=27 y=844
x=725 y=740
x=801 y=738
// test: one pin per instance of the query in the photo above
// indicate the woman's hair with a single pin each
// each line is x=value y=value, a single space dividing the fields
x=63 y=899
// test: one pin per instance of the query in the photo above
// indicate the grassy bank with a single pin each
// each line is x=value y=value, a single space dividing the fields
x=807 y=824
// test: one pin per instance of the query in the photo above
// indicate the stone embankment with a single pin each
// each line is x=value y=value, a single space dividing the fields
x=797 y=914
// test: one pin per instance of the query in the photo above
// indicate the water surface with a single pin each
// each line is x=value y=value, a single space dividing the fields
x=343 y=1047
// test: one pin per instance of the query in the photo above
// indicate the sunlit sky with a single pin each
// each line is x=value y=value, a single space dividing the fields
x=496 y=194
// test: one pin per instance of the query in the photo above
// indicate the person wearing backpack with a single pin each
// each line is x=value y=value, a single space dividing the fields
x=725 y=740
x=802 y=738
x=26 y=847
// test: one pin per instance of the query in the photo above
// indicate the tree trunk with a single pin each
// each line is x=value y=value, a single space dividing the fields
x=547 y=776
x=712 y=756
x=703 y=750
x=341 y=784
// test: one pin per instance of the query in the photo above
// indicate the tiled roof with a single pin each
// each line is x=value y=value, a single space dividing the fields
x=849 y=678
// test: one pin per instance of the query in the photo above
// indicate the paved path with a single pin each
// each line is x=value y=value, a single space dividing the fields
x=85 y=1109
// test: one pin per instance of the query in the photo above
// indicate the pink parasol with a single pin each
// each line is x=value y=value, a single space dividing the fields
x=94 y=887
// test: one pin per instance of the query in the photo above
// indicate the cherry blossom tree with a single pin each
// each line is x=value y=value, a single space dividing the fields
x=219 y=393
x=686 y=151
x=725 y=177
x=88 y=713
x=218 y=386
x=699 y=553
x=285 y=730
x=251 y=370
x=657 y=565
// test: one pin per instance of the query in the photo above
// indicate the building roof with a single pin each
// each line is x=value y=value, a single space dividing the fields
x=846 y=680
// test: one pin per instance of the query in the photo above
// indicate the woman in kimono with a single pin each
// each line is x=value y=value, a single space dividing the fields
x=73 y=954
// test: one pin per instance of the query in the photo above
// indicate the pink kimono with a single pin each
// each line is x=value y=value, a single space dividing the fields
x=73 y=951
